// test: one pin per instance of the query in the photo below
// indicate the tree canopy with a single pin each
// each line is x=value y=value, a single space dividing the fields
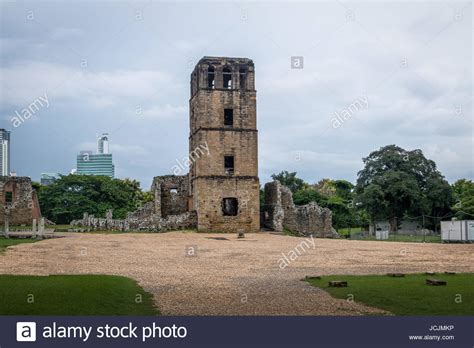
x=70 y=196
x=337 y=195
x=396 y=182
x=289 y=180
x=463 y=191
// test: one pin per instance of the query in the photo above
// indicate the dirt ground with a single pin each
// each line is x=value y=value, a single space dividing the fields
x=217 y=274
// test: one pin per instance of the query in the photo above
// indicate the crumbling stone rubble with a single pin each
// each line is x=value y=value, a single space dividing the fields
x=168 y=210
x=18 y=199
x=280 y=212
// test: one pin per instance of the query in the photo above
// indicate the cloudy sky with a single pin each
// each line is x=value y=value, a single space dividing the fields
x=124 y=67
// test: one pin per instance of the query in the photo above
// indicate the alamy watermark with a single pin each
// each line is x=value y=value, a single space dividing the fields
x=361 y=103
x=293 y=254
x=25 y=114
x=183 y=165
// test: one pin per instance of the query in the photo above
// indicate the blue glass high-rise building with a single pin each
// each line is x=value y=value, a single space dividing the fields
x=97 y=164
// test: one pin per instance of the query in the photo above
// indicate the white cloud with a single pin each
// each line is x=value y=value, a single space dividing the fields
x=25 y=81
x=166 y=111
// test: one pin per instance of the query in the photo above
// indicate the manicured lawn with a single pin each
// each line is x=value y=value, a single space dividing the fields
x=6 y=242
x=407 y=295
x=347 y=231
x=73 y=295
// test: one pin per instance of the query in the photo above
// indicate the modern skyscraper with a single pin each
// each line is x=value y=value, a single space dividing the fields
x=97 y=164
x=4 y=152
x=103 y=144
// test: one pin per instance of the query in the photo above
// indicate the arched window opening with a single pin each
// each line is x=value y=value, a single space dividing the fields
x=242 y=78
x=227 y=78
x=211 y=74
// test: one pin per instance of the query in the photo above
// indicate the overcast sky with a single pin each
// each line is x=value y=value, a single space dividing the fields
x=100 y=62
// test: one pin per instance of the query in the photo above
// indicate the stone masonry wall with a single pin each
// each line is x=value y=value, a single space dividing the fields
x=280 y=212
x=24 y=206
x=142 y=220
x=209 y=194
x=168 y=211
x=171 y=194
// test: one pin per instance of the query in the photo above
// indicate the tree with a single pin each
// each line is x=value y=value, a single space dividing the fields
x=463 y=191
x=307 y=195
x=396 y=182
x=344 y=189
x=290 y=180
x=68 y=197
x=325 y=187
x=336 y=195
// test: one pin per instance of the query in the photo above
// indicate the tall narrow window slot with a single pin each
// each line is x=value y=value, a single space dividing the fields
x=228 y=117
x=227 y=78
x=230 y=206
x=229 y=165
x=8 y=198
x=242 y=79
x=211 y=77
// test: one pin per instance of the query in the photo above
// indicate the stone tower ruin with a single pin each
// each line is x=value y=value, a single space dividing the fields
x=221 y=192
x=223 y=182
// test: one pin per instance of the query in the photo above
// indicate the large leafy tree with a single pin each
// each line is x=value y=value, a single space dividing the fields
x=290 y=180
x=396 y=182
x=464 y=199
x=70 y=196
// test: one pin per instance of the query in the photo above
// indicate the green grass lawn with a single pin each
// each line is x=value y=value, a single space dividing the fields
x=6 y=242
x=405 y=238
x=347 y=231
x=73 y=295
x=407 y=295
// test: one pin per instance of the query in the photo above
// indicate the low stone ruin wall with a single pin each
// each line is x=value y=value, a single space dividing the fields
x=137 y=222
x=166 y=212
x=280 y=212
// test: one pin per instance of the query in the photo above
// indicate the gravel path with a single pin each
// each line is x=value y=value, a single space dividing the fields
x=230 y=276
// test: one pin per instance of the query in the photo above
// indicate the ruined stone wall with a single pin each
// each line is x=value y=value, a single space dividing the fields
x=199 y=76
x=171 y=194
x=24 y=206
x=273 y=211
x=209 y=197
x=280 y=212
x=241 y=145
x=168 y=211
x=213 y=102
x=140 y=220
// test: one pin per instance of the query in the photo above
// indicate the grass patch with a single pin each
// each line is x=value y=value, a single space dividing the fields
x=288 y=232
x=347 y=231
x=407 y=238
x=6 y=242
x=60 y=228
x=73 y=295
x=407 y=295
x=357 y=231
